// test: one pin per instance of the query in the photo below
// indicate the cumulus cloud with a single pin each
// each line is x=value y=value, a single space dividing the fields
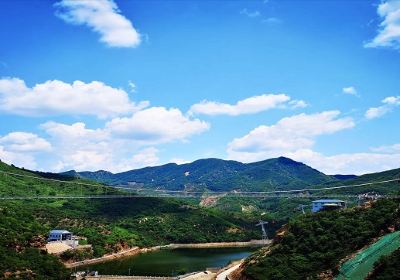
x=145 y=157
x=122 y=144
x=24 y=142
x=287 y=135
x=389 y=103
x=295 y=137
x=81 y=148
x=19 y=148
x=103 y=17
x=376 y=112
x=59 y=98
x=350 y=91
x=251 y=105
x=348 y=163
x=19 y=159
x=78 y=147
x=157 y=125
x=392 y=100
x=389 y=28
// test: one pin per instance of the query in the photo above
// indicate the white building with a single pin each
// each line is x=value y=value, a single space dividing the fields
x=327 y=204
x=63 y=236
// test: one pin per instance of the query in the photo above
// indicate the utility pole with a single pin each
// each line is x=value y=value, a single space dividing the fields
x=301 y=207
x=264 y=232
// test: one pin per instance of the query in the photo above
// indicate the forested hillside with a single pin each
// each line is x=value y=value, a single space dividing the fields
x=217 y=175
x=316 y=243
x=109 y=225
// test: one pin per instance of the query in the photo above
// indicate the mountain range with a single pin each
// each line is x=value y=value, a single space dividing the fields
x=218 y=175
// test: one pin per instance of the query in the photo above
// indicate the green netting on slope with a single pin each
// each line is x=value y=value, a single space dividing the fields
x=358 y=267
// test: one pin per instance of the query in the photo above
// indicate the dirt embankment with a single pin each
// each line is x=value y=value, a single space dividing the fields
x=125 y=253
x=136 y=250
x=219 y=244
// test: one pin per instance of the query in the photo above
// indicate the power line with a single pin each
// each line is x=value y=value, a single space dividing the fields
x=182 y=193
x=110 y=196
x=288 y=191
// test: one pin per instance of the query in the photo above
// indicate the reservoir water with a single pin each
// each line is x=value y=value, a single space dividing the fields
x=171 y=262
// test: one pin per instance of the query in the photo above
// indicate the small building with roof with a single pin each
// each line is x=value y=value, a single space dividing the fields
x=59 y=235
x=327 y=204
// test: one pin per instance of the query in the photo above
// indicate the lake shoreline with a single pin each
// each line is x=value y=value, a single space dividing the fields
x=136 y=250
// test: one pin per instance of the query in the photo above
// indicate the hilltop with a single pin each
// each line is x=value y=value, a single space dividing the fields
x=217 y=175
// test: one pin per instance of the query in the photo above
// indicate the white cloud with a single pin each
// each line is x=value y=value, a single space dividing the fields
x=376 y=112
x=179 y=161
x=395 y=148
x=389 y=31
x=122 y=144
x=81 y=148
x=19 y=159
x=145 y=157
x=350 y=90
x=294 y=104
x=295 y=137
x=251 y=105
x=157 y=125
x=288 y=135
x=132 y=86
x=60 y=98
x=24 y=142
x=20 y=148
x=250 y=14
x=389 y=103
x=271 y=20
x=351 y=163
x=74 y=132
x=392 y=100
x=103 y=17
x=77 y=147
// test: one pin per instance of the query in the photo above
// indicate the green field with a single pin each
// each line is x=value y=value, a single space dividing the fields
x=359 y=266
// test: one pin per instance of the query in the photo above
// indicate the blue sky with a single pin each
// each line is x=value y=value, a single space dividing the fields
x=118 y=85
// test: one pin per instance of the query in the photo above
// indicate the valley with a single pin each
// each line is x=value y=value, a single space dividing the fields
x=112 y=224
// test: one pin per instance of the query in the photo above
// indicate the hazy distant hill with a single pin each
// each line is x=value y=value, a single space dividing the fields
x=217 y=174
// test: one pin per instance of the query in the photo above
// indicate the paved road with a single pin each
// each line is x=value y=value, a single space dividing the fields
x=200 y=276
x=222 y=276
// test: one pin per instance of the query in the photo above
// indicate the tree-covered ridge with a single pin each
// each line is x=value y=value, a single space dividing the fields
x=218 y=175
x=109 y=225
x=316 y=243
x=21 y=182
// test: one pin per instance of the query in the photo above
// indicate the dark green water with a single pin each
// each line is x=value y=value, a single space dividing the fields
x=171 y=262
